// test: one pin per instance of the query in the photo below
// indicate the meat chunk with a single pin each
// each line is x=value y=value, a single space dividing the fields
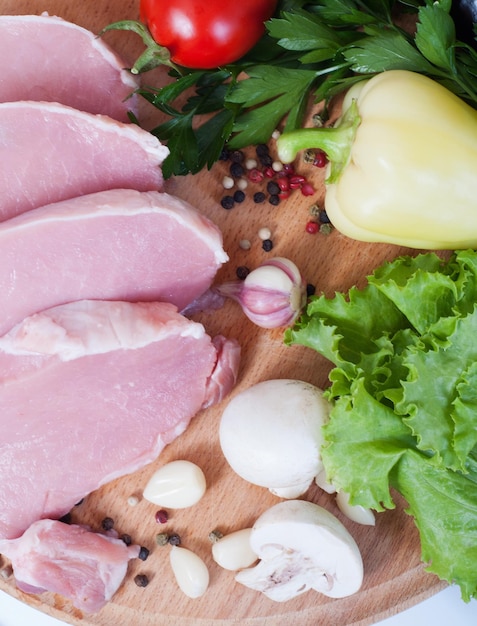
x=48 y=59
x=114 y=245
x=51 y=152
x=85 y=567
x=93 y=390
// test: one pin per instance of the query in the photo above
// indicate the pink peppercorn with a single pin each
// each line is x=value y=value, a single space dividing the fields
x=255 y=175
x=283 y=183
x=320 y=159
x=312 y=228
x=162 y=516
x=288 y=168
x=307 y=189
x=283 y=195
x=269 y=172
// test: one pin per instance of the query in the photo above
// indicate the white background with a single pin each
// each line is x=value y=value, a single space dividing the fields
x=443 y=609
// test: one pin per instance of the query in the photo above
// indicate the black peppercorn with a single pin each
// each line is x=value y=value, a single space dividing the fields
x=242 y=272
x=258 y=197
x=273 y=188
x=127 y=539
x=141 y=580
x=239 y=196
x=274 y=199
x=143 y=553
x=174 y=539
x=107 y=523
x=236 y=170
x=267 y=245
x=227 y=202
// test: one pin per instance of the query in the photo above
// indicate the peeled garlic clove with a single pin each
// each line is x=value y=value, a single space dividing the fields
x=233 y=551
x=176 y=485
x=190 y=572
x=354 y=512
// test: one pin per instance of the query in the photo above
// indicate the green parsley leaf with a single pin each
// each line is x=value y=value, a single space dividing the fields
x=435 y=36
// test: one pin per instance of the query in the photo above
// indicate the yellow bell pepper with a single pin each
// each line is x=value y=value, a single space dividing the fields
x=403 y=163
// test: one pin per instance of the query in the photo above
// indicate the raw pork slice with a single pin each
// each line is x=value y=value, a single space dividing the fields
x=85 y=567
x=113 y=245
x=94 y=390
x=51 y=152
x=47 y=58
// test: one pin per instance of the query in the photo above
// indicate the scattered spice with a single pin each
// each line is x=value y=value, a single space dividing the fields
x=215 y=535
x=242 y=272
x=141 y=580
x=312 y=227
x=267 y=245
x=143 y=553
x=127 y=539
x=174 y=539
x=107 y=523
x=162 y=516
x=264 y=233
x=239 y=196
x=227 y=202
x=133 y=500
x=245 y=244
x=259 y=197
x=162 y=539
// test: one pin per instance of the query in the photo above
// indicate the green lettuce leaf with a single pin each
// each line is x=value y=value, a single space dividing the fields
x=404 y=399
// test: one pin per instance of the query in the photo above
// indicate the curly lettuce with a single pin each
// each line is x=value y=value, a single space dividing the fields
x=404 y=399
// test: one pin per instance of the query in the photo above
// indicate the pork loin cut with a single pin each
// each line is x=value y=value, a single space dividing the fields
x=94 y=390
x=85 y=567
x=49 y=59
x=114 y=245
x=51 y=152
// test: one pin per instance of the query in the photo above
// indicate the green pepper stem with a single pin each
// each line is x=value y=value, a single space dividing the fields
x=335 y=141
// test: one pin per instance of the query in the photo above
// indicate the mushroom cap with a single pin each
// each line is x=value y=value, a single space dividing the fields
x=303 y=546
x=271 y=436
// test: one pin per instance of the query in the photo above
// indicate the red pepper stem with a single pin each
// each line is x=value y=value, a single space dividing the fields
x=335 y=141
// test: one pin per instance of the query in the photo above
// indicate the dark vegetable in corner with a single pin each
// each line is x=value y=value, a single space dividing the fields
x=313 y=49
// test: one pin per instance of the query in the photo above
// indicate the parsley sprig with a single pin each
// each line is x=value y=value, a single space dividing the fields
x=312 y=51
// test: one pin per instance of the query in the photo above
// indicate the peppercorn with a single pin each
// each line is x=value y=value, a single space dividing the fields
x=273 y=188
x=239 y=196
x=143 y=553
x=237 y=156
x=127 y=539
x=274 y=199
x=227 y=202
x=267 y=245
x=107 y=523
x=224 y=154
x=262 y=149
x=141 y=580
x=259 y=197
x=310 y=290
x=242 y=272
x=215 y=535
x=323 y=217
x=312 y=227
x=236 y=170
x=161 y=516
x=174 y=539
x=162 y=539
x=266 y=160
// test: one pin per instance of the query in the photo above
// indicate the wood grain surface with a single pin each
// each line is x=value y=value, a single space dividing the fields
x=394 y=575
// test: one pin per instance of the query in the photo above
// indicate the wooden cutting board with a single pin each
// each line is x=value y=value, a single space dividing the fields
x=394 y=576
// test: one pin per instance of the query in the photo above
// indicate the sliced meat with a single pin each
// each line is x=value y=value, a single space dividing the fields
x=90 y=391
x=114 y=245
x=51 y=152
x=49 y=59
x=85 y=567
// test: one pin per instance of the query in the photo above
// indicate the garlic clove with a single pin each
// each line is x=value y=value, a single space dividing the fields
x=354 y=512
x=322 y=482
x=176 y=485
x=190 y=572
x=233 y=551
x=272 y=295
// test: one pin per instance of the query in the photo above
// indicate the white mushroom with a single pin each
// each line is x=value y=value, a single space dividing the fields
x=302 y=546
x=271 y=435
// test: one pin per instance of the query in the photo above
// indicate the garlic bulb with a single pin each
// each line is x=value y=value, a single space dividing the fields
x=272 y=295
